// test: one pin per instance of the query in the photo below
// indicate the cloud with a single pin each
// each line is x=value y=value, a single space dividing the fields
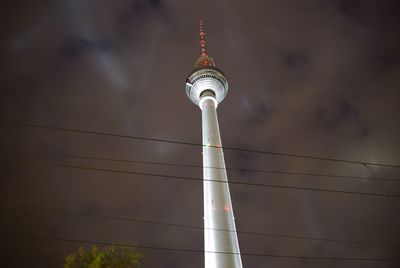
x=78 y=46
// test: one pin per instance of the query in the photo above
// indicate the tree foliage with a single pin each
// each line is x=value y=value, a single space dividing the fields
x=110 y=257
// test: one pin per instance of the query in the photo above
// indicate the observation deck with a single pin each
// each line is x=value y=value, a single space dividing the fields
x=206 y=78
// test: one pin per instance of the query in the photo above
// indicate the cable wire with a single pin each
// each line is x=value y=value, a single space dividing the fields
x=81 y=131
x=261 y=185
x=92 y=242
x=227 y=168
x=168 y=224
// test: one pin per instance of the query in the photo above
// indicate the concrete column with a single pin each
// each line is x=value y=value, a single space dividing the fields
x=221 y=247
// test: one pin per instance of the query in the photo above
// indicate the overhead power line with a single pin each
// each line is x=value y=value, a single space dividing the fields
x=200 y=228
x=81 y=131
x=260 y=185
x=227 y=168
x=106 y=243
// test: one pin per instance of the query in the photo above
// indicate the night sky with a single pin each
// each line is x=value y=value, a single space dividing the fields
x=312 y=77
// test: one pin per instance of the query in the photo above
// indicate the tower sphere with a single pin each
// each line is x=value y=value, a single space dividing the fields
x=206 y=79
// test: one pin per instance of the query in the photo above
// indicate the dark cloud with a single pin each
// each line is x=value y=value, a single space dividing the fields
x=336 y=114
x=295 y=60
x=257 y=115
x=306 y=77
x=351 y=8
x=138 y=12
x=76 y=46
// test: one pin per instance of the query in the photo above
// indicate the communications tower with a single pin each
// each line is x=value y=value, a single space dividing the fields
x=207 y=86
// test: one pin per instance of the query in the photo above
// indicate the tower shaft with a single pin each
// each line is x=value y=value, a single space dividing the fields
x=207 y=86
x=220 y=239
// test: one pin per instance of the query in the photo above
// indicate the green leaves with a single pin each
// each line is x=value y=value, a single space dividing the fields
x=110 y=257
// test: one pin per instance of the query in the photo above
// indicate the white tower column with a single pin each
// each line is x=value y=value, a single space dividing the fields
x=206 y=87
x=220 y=239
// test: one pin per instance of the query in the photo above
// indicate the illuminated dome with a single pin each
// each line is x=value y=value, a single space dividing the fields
x=206 y=78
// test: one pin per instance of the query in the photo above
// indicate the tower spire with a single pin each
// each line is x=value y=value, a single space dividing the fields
x=203 y=51
x=204 y=59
